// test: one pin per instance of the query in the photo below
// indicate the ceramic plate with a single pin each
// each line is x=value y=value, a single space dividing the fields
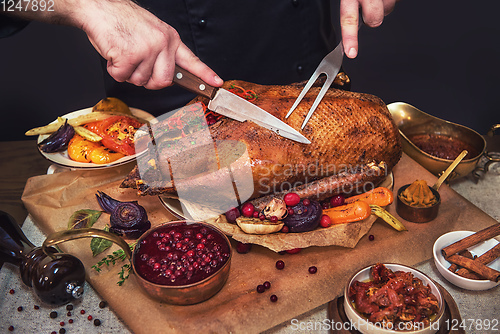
x=477 y=250
x=62 y=158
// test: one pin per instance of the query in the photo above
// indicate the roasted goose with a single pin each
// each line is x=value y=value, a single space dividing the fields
x=354 y=143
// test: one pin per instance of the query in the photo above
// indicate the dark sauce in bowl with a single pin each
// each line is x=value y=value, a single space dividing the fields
x=441 y=146
x=180 y=254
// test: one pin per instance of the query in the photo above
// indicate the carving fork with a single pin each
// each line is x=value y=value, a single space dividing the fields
x=330 y=65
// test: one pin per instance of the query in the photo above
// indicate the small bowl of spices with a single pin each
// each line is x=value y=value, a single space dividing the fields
x=419 y=203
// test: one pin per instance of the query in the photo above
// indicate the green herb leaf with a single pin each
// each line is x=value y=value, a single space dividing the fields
x=83 y=218
x=99 y=245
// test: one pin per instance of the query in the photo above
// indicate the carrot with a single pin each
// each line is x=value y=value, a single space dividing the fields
x=380 y=196
x=348 y=213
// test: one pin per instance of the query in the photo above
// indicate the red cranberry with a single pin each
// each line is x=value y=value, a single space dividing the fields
x=232 y=214
x=247 y=210
x=36 y=307
x=280 y=264
x=306 y=201
x=261 y=288
x=290 y=211
x=243 y=248
x=70 y=321
x=19 y=309
x=62 y=323
x=82 y=312
x=11 y=328
x=89 y=317
x=267 y=285
x=313 y=270
x=256 y=214
x=294 y=250
x=371 y=237
x=273 y=298
x=12 y=291
x=337 y=200
x=210 y=119
x=285 y=229
x=291 y=199
x=325 y=221
x=274 y=219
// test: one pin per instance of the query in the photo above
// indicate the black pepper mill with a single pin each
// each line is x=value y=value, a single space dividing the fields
x=56 y=278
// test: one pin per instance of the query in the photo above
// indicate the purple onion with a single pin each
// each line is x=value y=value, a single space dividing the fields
x=128 y=219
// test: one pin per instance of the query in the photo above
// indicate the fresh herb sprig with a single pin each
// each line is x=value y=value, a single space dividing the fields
x=111 y=259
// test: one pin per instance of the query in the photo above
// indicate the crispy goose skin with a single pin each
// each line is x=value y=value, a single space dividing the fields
x=348 y=132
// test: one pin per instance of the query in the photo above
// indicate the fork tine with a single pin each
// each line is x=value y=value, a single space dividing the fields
x=304 y=91
x=330 y=66
x=322 y=92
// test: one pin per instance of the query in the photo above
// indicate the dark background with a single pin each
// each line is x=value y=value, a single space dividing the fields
x=440 y=56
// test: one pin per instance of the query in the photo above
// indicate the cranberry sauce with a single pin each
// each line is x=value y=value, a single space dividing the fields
x=442 y=146
x=180 y=254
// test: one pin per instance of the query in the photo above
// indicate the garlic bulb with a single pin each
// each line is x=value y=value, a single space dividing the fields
x=276 y=207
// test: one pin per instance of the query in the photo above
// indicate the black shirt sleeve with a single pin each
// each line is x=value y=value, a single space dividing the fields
x=10 y=25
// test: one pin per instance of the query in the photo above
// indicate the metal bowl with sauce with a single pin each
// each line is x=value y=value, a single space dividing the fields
x=434 y=143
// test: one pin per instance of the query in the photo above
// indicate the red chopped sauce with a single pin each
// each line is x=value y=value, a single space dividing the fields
x=442 y=146
x=394 y=299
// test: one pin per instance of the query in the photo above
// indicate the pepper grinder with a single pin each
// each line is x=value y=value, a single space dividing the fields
x=56 y=278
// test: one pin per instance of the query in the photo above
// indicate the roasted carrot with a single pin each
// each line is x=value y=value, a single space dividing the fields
x=348 y=213
x=380 y=196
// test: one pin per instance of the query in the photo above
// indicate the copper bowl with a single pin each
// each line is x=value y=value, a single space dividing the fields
x=417 y=214
x=186 y=294
x=412 y=121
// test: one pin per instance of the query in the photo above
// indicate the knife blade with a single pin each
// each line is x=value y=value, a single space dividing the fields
x=231 y=105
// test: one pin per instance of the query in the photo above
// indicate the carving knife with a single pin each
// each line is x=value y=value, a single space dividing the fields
x=231 y=105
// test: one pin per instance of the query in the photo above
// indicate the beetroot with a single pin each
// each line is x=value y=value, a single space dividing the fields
x=305 y=217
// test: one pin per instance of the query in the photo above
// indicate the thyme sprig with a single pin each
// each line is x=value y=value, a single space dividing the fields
x=111 y=259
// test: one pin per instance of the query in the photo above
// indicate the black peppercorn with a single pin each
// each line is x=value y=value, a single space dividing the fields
x=53 y=314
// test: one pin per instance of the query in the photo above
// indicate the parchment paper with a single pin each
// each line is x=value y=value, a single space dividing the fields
x=238 y=308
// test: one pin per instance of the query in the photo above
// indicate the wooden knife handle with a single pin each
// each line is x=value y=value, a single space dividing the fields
x=192 y=83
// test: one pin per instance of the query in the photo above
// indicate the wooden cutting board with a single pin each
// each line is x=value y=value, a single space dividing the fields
x=238 y=307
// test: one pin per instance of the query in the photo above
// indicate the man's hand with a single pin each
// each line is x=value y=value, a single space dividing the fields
x=373 y=12
x=139 y=48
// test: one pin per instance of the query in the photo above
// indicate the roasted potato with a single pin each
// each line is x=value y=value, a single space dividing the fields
x=112 y=104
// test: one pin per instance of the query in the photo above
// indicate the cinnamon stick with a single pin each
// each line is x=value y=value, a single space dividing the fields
x=471 y=240
x=454 y=267
x=486 y=258
x=479 y=268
